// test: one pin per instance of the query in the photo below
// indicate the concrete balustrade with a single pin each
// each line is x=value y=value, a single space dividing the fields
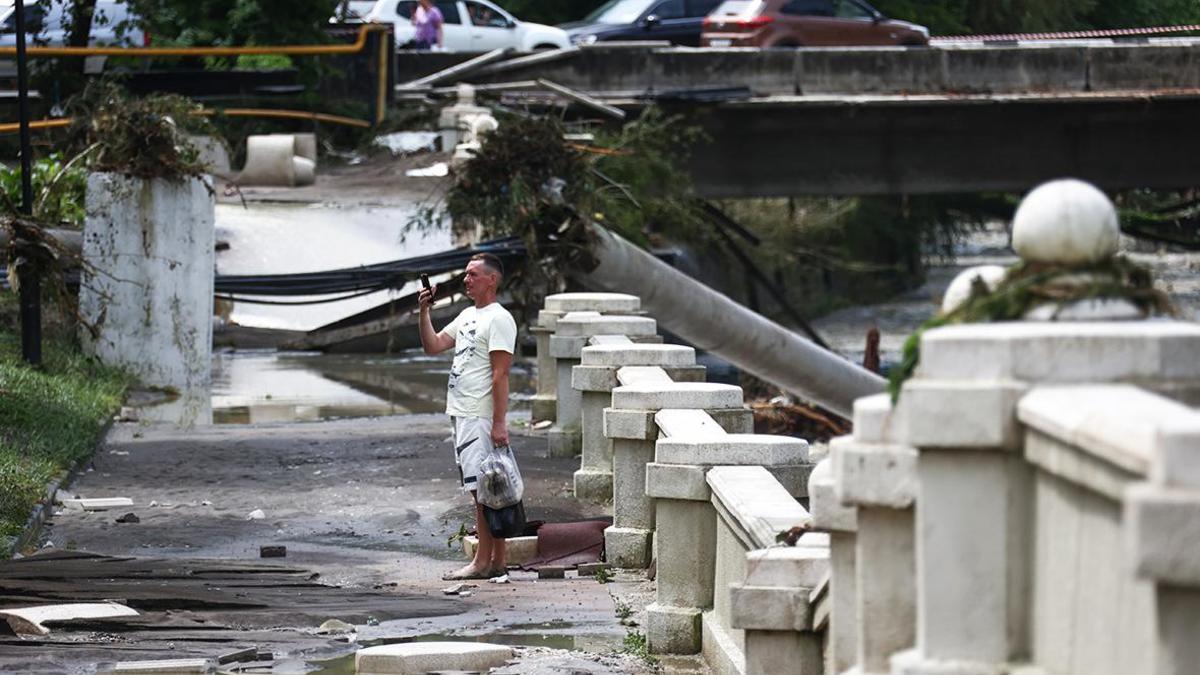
x=840 y=522
x=573 y=331
x=688 y=538
x=556 y=306
x=631 y=426
x=596 y=378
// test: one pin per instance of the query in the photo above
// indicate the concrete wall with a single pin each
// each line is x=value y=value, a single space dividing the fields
x=147 y=287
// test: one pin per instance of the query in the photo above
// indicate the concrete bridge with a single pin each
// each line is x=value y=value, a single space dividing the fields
x=954 y=118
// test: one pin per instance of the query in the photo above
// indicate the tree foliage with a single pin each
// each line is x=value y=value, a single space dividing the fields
x=235 y=22
x=947 y=17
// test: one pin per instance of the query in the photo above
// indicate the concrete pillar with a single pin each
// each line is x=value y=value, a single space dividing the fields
x=580 y=308
x=147 y=285
x=773 y=607
x=596 y=377
x=879 y=480
x=841 y=522
x=686 y=523
x=630 y=424
x=545 y=405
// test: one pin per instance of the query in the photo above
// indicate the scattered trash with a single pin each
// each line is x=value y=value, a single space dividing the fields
x=28 y=620
x=502 y=579
x=272 y=552
x=439 y=170
x=127 y=414
x=335 y=627
x=458 y=589
x=372 y=621
x=153 y=504
x=408 y=142
x=552 y=572
x=544 y=424
x=119 y=453
x=129 y=518
x=256 y=514
x=205 y=503
x=465 y=594
x=103 y=504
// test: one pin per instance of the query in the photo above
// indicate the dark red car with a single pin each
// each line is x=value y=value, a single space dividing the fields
x=805 y=23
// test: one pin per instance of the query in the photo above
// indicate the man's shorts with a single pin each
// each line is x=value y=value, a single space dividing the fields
x=472 y=443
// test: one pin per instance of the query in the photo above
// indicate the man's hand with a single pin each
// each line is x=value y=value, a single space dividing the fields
x=425 y=297
x=499 y=434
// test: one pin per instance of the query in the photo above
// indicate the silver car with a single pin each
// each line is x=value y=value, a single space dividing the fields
x=45 y=25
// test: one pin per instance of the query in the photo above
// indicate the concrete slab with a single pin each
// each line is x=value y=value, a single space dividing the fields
x=29 y=620
x=745 y=449
x=418 y=658
x=597 y=302
x=638 y=355
x=165 y=666
x=101 y=504
x=702 y=395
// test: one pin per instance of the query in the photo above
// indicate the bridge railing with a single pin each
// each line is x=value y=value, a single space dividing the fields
x=693 y=490
x=1028 y=501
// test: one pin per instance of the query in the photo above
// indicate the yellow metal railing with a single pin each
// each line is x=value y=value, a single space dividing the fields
x=358 y=46
x=60 y=122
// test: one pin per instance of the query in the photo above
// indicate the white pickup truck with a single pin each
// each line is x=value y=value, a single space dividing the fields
x=471 y=26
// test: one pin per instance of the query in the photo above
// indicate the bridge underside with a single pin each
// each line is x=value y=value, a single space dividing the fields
x=926 y=145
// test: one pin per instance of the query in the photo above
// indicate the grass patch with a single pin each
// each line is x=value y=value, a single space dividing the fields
x=49 y=420
x=636 y=644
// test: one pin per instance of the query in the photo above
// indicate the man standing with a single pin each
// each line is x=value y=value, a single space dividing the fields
x=484 y=338
x=428 y=21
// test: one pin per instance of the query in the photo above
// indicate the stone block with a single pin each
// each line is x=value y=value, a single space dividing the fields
x=638 y=355
x=788 y=566
x=627 y=547
x=771 y=652
x=575 y=325
x=756 y=503
x=518 y=550
x=632 y=375
x=547 y=321
x=677 y=481
x=872 y=474
x=734 y=420
x=1152 y=435
x=563 y=347
x=593 y=485
x=875 y=420
x=608 y=303
x=552 y=572
x=1162 y=529
x=828 y=512
x=673 y=630
x=685 y=373
x=594 y=378
x=960 y=414
x=700 y=395
x=732 y=449
x=610 y=340
x=630 y=424
x=687 y=424
x=770 y=608
x=1064 y=353
x=418 y=658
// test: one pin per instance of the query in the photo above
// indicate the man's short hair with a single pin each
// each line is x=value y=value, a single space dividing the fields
x=491 y=262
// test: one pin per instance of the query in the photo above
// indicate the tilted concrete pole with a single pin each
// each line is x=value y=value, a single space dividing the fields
x=713 y=322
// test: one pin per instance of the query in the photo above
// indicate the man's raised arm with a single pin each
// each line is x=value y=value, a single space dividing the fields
x=431 y=340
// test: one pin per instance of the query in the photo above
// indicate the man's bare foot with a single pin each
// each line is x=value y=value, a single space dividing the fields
x=467 y=572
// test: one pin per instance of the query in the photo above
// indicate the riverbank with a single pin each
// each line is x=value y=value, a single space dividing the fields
x=50 y=420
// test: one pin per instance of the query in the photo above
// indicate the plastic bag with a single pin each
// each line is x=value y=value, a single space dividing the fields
x=500 y=483
x=507 y=522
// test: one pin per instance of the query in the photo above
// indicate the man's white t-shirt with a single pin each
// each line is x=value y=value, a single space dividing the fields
x=477 y=332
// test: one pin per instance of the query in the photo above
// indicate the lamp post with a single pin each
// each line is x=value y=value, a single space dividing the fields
x=31 y=292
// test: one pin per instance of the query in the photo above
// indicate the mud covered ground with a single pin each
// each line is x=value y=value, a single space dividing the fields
x=368 y=505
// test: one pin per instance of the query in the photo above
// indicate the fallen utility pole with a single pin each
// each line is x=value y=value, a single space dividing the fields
x=713 y=322
x=31 y=287
x=524 y=61
x=582 y=99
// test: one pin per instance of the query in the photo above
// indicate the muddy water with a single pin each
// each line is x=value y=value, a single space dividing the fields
x=251 y=387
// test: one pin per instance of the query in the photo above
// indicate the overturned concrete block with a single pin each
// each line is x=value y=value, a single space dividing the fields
x=30 y=620
x=418 y=658
x=269 y=161
x=518 y=550
x=304 y=170
x=552 y=572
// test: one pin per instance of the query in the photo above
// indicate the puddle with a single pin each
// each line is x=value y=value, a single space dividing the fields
x=251 y=387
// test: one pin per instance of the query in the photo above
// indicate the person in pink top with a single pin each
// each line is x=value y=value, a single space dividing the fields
x=428 y=20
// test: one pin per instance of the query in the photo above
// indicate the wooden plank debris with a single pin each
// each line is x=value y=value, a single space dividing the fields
x=458 y=71
x=582 y=99
x=165 y=666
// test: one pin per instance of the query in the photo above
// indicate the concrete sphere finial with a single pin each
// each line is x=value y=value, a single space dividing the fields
x=959 y=290
x=1067 y=222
